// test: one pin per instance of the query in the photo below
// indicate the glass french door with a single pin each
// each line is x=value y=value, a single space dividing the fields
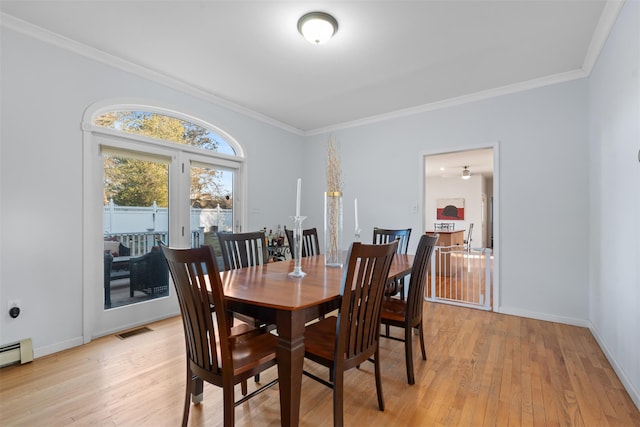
x=152 y=197
x=135 y=223
x=211 y=203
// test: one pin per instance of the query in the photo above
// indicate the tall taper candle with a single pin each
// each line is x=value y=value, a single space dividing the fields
x=355 y=202
x=298 y=197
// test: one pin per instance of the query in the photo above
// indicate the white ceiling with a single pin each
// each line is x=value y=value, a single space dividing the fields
x=388 y=58
x=450 y=165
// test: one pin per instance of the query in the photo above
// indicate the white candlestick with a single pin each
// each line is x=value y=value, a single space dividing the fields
x=356 y=210
x=298 y=197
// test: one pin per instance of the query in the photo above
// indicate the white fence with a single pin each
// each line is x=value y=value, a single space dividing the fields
x=140 y=243
x=141 y=227
x=136 y=219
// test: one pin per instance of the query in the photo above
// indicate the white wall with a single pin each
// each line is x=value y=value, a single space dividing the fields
x=614 y=261
x=543 y=215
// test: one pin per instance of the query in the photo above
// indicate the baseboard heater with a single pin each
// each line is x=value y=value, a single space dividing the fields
x=19 y=352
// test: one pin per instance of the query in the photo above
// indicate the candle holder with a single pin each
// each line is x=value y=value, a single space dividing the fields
x=297 y=246
x=357 y=236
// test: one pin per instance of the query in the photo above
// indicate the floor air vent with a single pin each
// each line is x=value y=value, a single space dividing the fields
x=19 y=352
x=133 y=332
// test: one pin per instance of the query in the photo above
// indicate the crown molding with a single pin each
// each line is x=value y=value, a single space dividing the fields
x=460 y=100
x=603 y=29
x=66 y=43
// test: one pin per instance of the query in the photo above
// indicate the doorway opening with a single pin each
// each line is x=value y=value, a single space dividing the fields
x=460 y=199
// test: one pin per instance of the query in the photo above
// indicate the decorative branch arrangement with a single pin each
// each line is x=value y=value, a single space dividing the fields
x=334 y=171
x=333 y=206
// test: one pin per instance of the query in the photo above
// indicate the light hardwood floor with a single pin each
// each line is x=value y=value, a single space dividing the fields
x=483 y=369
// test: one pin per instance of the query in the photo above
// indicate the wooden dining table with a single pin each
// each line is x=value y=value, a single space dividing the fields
x=269 y=293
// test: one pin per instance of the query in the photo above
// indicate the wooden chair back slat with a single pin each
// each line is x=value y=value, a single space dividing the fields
x=241 y=250
x=386 y=235
x=310 y=243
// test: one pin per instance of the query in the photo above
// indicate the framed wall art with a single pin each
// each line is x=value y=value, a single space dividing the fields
x=450 y=209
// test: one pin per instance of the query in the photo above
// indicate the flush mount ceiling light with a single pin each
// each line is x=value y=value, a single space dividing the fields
x=317 y=27
x=466 y=173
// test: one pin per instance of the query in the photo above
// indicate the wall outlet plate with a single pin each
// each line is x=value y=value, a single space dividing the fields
x=14 y=308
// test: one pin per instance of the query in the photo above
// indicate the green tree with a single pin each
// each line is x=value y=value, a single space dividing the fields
x=133 y=182
x=205 y=184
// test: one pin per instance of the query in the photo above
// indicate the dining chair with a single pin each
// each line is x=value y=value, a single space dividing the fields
x=310 y=243
x=385 y=235
x=352 y=337
x=241 y=250
x=408 y=314
x=467 y=241
x=217 y=352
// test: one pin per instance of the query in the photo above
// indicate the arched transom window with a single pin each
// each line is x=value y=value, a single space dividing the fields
x=167 y=128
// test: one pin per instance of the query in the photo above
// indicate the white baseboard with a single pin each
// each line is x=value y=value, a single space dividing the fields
x=544 y=316
x=74 y=342
x=54 y=348
x=98 y=334
x=633 y=393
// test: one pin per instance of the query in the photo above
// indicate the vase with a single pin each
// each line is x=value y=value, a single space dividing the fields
x=333 y=229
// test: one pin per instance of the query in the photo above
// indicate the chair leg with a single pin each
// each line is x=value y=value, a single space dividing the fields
x=187 y=396
x=243 y=387
x=256 y=324
x=229 y=406
x=338 y=399
x=197 y=389
x=376 y=363
x=422 y=347
x=408 y=354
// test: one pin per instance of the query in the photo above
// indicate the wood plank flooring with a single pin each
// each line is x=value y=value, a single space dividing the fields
x=483 y=369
